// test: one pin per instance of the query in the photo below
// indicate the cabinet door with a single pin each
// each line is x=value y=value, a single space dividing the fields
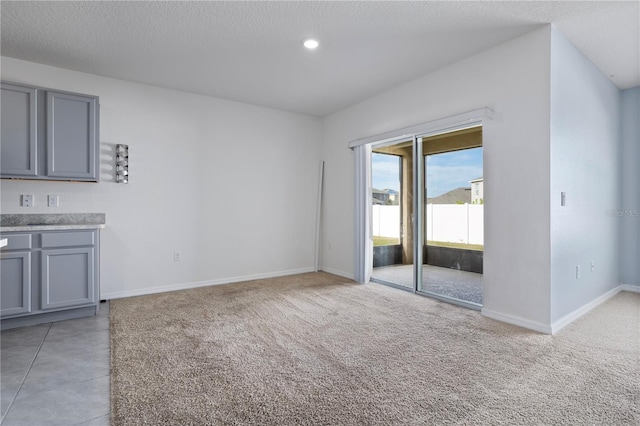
x=19 y=139
x=71 y=136
x=68 y=277
x=15 y=293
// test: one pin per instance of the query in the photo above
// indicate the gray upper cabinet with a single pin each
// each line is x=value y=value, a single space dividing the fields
x=71 y=136
x=49 y=134
x=19 y=135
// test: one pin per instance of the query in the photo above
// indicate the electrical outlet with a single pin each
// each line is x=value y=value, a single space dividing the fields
x=26 y=200
x=53 y=201
x=577 y=271
x=176 y=256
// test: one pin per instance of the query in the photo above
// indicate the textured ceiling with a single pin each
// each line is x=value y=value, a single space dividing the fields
x=251 y=51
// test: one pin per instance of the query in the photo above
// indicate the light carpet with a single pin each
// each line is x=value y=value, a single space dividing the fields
x=318 y=349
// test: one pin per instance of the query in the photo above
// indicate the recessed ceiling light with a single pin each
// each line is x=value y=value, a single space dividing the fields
x=310 y=43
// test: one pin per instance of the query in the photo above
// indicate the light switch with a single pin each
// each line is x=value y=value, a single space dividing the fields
x=53 y=201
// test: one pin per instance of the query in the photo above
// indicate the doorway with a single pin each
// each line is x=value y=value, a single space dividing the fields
x=427 y=215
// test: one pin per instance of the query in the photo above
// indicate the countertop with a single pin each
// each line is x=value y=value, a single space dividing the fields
x=51 y=222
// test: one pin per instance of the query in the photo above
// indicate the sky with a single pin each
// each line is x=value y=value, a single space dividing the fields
x=444 y=171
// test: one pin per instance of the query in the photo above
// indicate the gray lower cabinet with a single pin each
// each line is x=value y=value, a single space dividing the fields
x=48 y=134
x=15 y=296
x=48 y=276
x=67 y=277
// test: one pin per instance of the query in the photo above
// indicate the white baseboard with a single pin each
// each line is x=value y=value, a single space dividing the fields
x=634 y=288
x=565 y=320
x=520 y=322
x=337 y=272
x=196 y=284
x=571 y=317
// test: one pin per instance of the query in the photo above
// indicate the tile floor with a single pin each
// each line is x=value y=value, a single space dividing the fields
x=56 y=373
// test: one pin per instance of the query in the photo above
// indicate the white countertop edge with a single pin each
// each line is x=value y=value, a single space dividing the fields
x=50 y=227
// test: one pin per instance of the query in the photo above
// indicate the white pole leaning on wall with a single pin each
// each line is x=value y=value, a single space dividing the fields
x=318 y=216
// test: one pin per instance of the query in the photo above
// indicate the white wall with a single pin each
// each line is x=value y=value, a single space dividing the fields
x=201 y=169
x=630 y=211
x=585 y=149
x=513 y=80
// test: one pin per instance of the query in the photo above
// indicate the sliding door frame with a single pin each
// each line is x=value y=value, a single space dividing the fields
x=418 y=200
x=362 y=164
x=420 y=169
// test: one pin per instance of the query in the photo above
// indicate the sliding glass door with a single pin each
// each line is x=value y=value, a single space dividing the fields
x=427 y=215
x=452 y=237
x=392 y=206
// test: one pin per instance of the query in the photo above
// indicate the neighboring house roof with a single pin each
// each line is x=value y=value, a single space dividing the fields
x=384 y=196
x=383 y=191
x=480 y=179
x=455 y=196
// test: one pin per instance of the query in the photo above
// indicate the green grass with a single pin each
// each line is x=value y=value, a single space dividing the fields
x=390 y=241
x=385 y=241
x=478 y=247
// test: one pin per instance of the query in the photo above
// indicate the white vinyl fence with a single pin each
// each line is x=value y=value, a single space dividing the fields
x=452 y=223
